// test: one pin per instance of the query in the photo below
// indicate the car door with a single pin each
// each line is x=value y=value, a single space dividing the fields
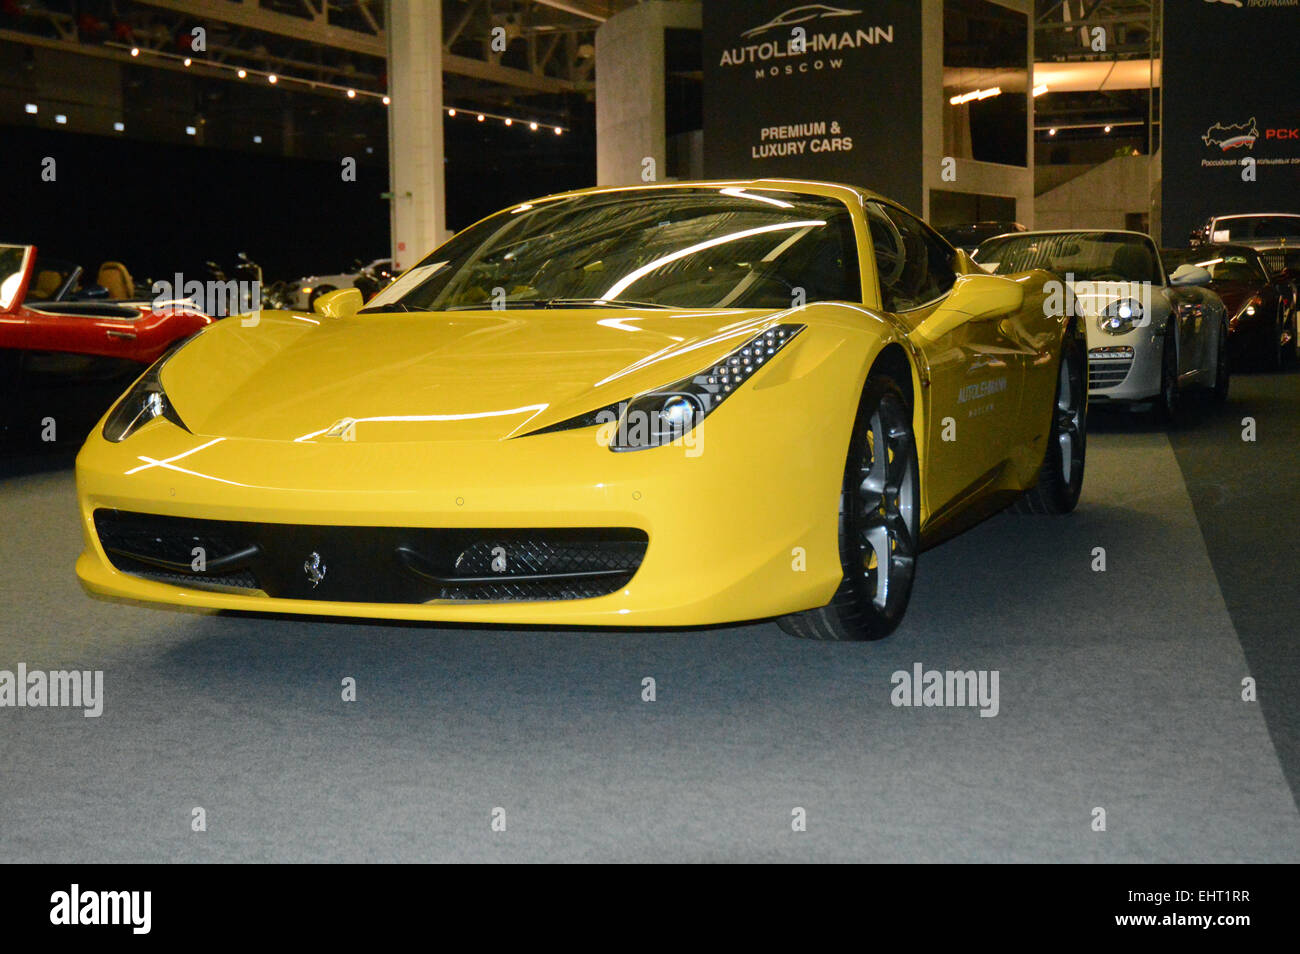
x=975 y=368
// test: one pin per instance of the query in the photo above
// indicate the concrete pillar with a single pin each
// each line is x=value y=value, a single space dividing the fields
x=630 y=96
x=415 y=149
x=983 y=178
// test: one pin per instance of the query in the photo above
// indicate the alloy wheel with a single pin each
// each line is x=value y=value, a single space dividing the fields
x=886 y=505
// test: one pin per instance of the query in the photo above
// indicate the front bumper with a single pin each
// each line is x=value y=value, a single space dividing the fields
x=1121 y=379
x=730 y=536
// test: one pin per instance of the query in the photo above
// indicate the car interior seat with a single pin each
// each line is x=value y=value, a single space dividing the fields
x=47 y=283
x=1133 y=262
x=115 y=277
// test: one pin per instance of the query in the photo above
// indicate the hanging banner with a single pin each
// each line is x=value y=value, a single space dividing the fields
x=1231 y=131
x=815 y=91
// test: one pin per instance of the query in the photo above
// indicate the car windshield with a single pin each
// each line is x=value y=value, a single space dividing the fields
x=1223 y=264
x=697 y=247
x=1086 y=256
x=1250 y=228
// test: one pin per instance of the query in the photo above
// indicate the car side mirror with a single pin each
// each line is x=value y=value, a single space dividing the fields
x=973 y=298
x=1188 y=275
x=340 y=303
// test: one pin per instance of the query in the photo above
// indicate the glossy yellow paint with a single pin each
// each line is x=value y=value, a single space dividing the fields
x=741 y=515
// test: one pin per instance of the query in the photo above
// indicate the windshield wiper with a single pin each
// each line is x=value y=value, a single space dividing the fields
x=559 y=303
x=381 y=309
x=603 y=303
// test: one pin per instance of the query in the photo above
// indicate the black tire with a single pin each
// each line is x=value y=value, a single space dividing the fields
x=1169 y=402
x=1275 y=355
x=1292 y=354
x=1060 y=478
x=880 y=509
x=1222 y=371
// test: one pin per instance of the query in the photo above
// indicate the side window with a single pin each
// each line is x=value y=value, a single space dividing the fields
x=914 y=264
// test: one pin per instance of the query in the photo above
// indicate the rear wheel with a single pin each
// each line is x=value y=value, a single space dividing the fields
x=1221 y=369
x=1060 y=479
x=880 y=507
x=1277 y=349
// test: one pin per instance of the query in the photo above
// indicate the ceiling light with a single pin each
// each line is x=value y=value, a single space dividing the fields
x=119 y=127
x=533 y=126
x=558 y=130
x=1040 y=89
x=1107 y=129
x=509 y=121
x=273 y=78
x=188 y=61
x=387 y=101
x=352 y=94
x=481 y=117
x=242 y=73
x=1051 y=132
x=135 y=51
x=32 y=108
x=61 y=119
x=191 y=131
x=451 y=112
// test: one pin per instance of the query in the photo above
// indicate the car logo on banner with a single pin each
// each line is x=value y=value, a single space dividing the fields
x=796 y=15
x=1232 y=137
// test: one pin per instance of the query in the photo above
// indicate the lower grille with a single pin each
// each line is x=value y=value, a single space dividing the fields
x=373 y=564
x=1275 y=258
x=1107 y=368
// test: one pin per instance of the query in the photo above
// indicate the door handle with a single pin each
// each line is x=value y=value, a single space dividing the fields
x=124 y=335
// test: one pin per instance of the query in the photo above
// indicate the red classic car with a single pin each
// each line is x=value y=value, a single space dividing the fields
x=67 y=352
x=1260 y=299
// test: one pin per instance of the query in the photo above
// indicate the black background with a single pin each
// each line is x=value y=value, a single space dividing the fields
x=1226 y=64
x=160 y=208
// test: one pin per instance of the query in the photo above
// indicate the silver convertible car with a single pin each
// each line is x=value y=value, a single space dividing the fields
x=1151 y=335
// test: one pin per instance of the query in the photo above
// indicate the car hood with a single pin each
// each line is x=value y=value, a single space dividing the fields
x=1234 y=294
x=447 y=376
x=1094 y=297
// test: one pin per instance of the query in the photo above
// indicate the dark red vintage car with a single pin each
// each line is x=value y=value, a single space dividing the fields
x=1260 y=300
x=66 y=352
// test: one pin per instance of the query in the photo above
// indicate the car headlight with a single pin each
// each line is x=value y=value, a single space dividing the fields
x=1248 y=311
x=145 y=400
x=661 y=416
x=1120 y=317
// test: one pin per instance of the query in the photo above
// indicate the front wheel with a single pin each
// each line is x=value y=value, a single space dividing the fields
x=1060 y=479
x=1169 y=402
x=880 y=510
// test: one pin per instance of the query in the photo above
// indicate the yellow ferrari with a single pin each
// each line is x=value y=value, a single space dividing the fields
x=679 y=404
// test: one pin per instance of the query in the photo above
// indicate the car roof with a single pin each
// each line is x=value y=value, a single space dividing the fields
x=838 y=190
x=1033 y=232
x=1256 y=215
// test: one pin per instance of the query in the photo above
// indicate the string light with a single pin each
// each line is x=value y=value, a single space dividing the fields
x=349 y=92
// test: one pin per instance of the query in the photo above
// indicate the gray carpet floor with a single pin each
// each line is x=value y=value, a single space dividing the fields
x=1118 y=690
